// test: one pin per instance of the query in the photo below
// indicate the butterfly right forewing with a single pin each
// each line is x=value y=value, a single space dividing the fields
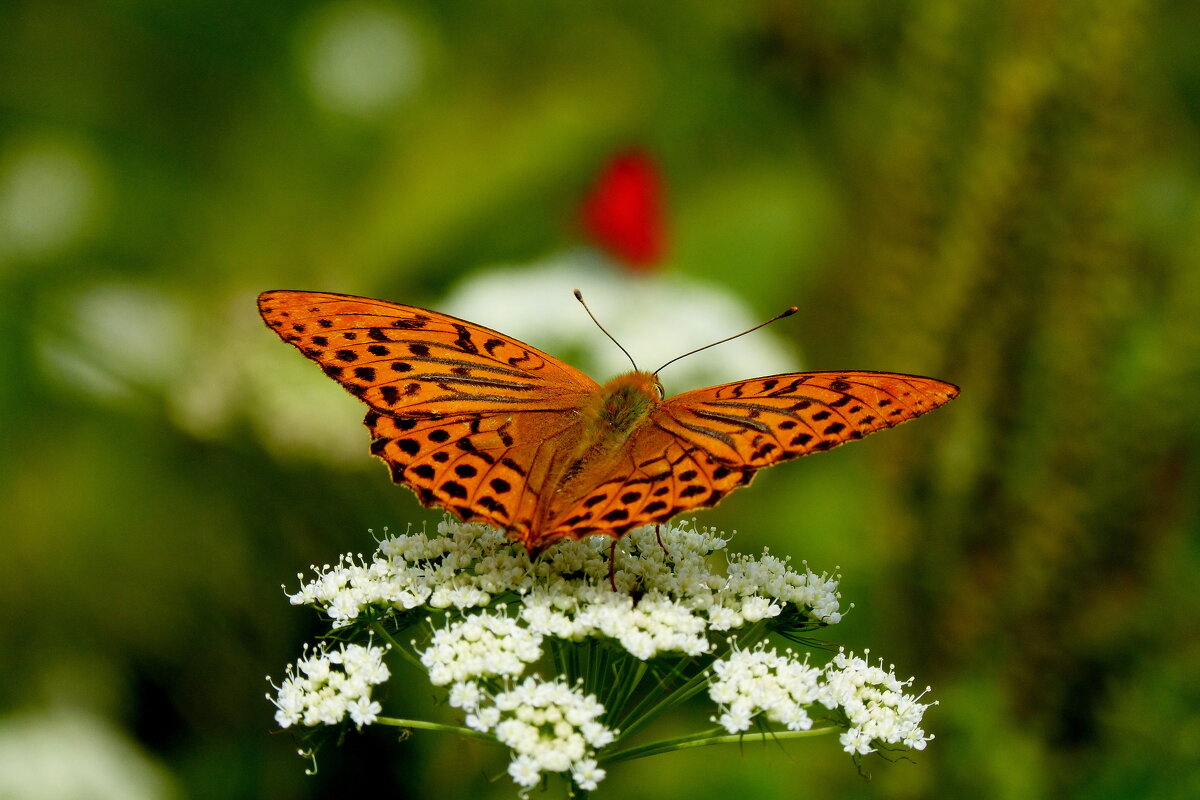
x=759 y=422
x=698 y=446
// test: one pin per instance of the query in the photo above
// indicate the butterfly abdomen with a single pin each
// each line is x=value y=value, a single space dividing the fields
x=607 y=423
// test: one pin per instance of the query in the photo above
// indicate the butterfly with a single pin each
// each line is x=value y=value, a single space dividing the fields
x=494 y=430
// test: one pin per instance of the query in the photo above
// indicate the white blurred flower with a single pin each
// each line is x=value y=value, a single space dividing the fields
x=67 y=754
x=656 y=316
x=50 y=193
x=116 y=338
x=360 y=58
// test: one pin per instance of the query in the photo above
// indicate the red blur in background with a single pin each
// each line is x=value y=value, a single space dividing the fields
x=623 y=213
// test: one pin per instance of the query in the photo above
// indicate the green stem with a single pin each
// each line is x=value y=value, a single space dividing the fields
x=674 y=698
x=396 y=722
x=639 y=717
x=397 y=647
x=704 y=739
x=625 y=681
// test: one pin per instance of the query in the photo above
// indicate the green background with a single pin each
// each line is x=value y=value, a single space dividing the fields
x=1002 y=194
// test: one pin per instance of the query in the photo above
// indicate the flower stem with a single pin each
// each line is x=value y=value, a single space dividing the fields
x=397 y=647
x=639 y=716
x=704 y=739
x=396 y=722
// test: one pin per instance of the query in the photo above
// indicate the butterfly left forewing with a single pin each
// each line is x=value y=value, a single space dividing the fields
x=470 y=419
x=409 y=361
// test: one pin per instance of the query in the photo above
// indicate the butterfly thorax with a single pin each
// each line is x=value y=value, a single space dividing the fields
x=624 y=402
x=609 y=419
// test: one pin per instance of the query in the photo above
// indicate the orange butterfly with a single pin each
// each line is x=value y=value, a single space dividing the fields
x=496 y=431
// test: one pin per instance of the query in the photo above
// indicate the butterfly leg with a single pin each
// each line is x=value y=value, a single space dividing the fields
x=612 y=565
x=658 y=536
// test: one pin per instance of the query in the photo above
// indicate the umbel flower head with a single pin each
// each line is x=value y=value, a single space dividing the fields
x=562 y=661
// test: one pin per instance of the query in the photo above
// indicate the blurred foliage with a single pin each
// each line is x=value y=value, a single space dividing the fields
x=1005 y=195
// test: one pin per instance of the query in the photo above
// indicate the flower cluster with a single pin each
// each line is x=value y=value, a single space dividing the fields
x=550 y=726
x=876 y=704
x=759 y=681
x=496 y=624
x=481 y=645
x=566 y=594
x=781 y=687
x=323 y=687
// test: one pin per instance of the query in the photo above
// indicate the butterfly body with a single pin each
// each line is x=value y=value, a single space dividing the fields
x=494 y=430
x=627 y=401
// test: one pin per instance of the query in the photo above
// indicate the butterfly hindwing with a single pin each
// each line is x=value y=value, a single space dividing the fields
x=662 y=477
x=481 y=467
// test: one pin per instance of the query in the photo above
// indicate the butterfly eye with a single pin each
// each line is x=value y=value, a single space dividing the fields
x=662 y=393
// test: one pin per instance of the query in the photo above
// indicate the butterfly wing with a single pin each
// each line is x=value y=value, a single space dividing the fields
x=471 y=420
x=413 y=362
x=492 y=468
x=698 y=446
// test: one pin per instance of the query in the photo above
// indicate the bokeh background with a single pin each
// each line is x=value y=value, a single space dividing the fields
x=1002 y=194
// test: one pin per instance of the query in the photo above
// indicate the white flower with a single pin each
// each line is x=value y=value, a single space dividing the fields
x=657 y=316
x=550 y=726
x=587 y=774
x=761 y=681
x=499 y=615
x=322 y=688
x=464 y=565
x=480 y=645
x=874 y=701
x=782 y=687
x=525 y=771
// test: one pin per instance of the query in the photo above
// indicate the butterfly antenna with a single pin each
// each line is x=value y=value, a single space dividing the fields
x=579 y=297
x=781 y=315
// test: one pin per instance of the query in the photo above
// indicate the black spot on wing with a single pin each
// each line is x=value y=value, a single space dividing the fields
x=463 y=342
x=454 y=489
